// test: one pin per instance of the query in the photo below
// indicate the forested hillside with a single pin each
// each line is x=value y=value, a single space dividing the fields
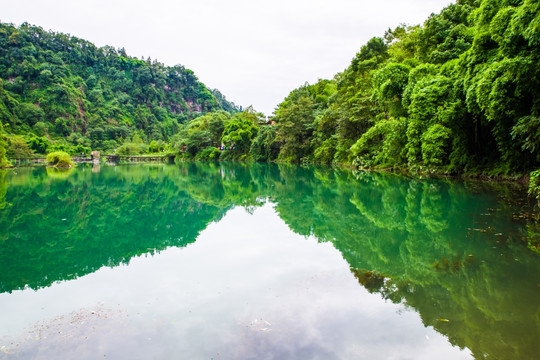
x=61 y=92
x=459 y=94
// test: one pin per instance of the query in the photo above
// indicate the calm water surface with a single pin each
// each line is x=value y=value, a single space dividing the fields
x=233 y=261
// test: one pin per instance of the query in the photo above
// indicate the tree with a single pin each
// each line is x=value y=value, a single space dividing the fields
x=265 y=146
x=295 y=125
x=59 y=159
x=38 y=144
x=389 y=83
x=238 y=133
x=3 y=160
x=18 y=148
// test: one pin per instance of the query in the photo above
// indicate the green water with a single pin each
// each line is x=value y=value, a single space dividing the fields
x=235 y=261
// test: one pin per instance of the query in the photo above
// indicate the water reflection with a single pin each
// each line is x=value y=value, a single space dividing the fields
x=60 y=226
x=453 y=252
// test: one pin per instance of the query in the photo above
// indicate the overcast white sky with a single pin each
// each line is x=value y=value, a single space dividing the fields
x=255 y=52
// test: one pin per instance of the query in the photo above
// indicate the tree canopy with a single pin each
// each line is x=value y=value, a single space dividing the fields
x=457 y=94
x=62 y=89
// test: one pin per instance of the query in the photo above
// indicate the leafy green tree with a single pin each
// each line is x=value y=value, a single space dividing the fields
x=527 y=132
x=295 y=125
x=389 y=83
x=63 y=146
x=202 y=132
x=534 y=184
x=18 y=148
x=463 y=86
x=30 y=113
x=428 y=96
x=208 y=154
x=132 y=149
x=239 y=133
x=3 y=160
x=265 y=146
x=157 y=146
x=435 y=145
x=38 y=144
x=382 y=145
x=59 y=159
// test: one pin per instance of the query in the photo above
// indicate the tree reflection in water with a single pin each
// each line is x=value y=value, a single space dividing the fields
x=454 y=252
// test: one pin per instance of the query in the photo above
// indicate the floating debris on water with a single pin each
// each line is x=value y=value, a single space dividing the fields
x=82 y=324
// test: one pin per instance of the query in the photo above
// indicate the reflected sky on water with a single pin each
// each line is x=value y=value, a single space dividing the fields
x=261 y=262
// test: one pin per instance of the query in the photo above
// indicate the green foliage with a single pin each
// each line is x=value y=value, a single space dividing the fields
x=200 y=132
x=464 y=86
x=457 y=93
x=18 y=148
x=208 y=154
x=325 y=152
x=534 y=184
x=527 y=132
x=59 y=159
x=202 y=136
x=382 y=145
x=265 y=146
x=389 y=83
x=38 y=144
x=295 y=125
x=157 y=146
x=57 y=85
x=30 y=113
x=68 y=148
x=238 y=133
x=132 y=149
x=3 y=160
x=435 y=144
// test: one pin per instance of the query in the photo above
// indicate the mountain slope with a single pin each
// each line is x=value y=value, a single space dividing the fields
x=58 y=86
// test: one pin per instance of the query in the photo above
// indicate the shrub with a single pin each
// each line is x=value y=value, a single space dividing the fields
x=382 y=144
x=18 y=148
x=157 y=146
x=435 y=143
x=59 y=159
x=38 y=143
x=208 y=154
x=3 y=160
x=132 y=149
x=325 y=152
x=534 y=185
x=68 y=148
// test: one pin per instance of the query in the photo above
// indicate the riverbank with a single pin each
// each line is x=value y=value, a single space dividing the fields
x=42 y=161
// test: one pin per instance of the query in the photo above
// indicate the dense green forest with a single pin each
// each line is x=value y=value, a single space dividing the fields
x=59 y=92
x=458 y=94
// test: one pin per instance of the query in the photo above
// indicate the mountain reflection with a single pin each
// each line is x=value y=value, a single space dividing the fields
x=451 y=251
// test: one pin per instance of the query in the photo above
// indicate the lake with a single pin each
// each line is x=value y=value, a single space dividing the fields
x=263 y=261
